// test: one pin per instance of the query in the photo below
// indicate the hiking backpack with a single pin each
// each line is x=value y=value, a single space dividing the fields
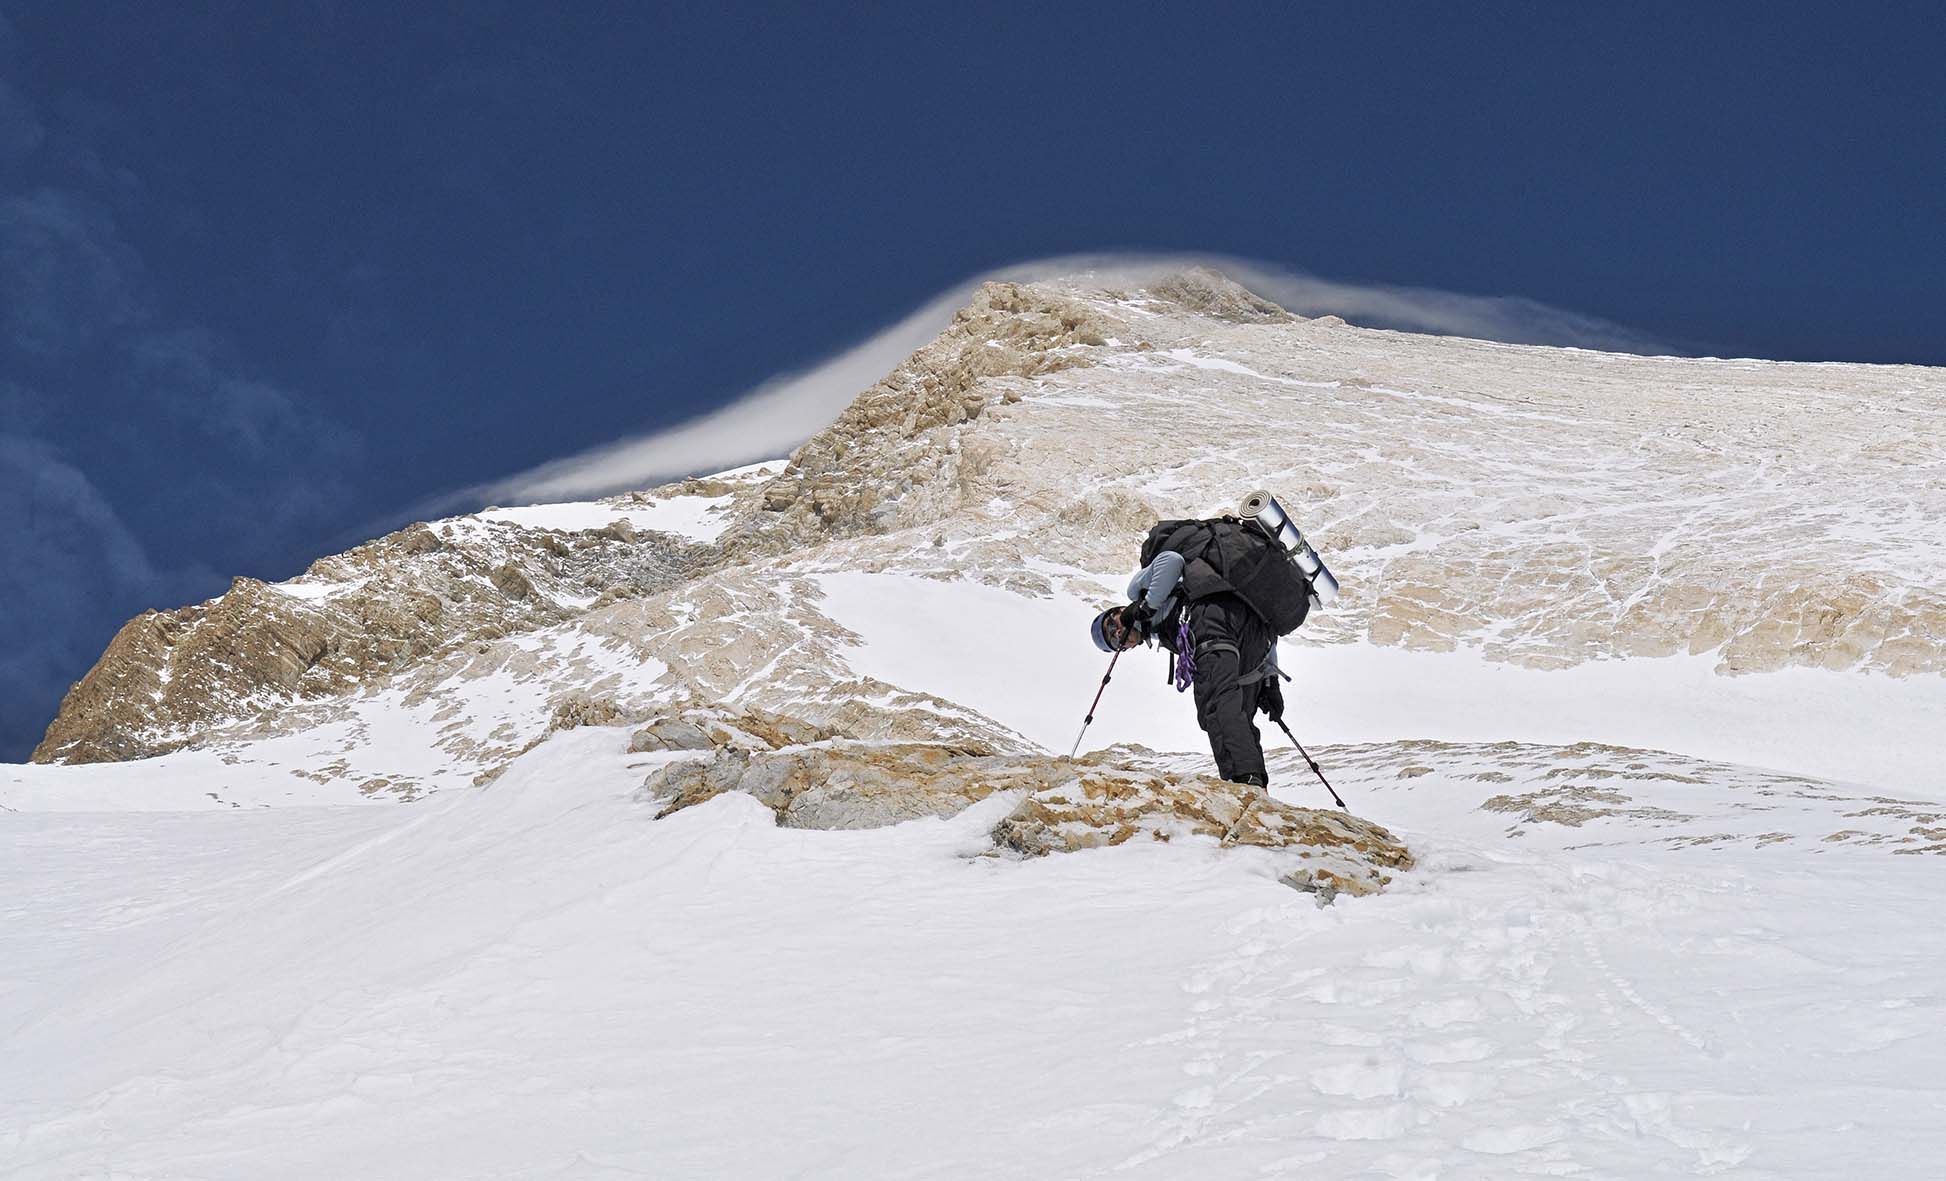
x=1226 y=554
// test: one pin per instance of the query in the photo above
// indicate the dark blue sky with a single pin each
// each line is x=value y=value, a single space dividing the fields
x=272 y=273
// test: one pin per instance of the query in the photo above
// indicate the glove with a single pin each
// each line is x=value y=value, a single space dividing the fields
x=1135 y=617
x=1270 y=698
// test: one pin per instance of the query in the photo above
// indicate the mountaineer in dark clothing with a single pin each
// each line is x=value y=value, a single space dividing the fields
x=1218 y=593
x=1232 y=659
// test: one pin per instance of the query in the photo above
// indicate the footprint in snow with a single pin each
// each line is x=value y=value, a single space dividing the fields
x=1466 y=1049
x=1364 y=1079
x=1512 y=1138
x=1371 y=1123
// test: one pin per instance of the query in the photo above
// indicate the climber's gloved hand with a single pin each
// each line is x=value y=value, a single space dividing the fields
x=1136 y=614
x=1270 y=698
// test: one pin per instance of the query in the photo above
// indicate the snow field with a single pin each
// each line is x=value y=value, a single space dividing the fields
x=1028 y=664
x=1722 y=973
x=538 y=980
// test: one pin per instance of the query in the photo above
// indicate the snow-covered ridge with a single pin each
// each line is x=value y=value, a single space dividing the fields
x=1486 y=506
x=1639 y=657
x=287 y=658
x=697 y=516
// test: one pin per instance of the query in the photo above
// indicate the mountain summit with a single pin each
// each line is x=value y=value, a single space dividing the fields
x=725 y=828
x=1540 y=508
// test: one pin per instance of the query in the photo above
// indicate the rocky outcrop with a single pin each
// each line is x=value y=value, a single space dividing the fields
x=370 y=613
x=851 y=785
x=853 y=476
x=1212 y=293
x=1108 y=798
x=1538 y=506
x=582 y=709
x=1098 y=802
x=381 y=609
x=708 y=729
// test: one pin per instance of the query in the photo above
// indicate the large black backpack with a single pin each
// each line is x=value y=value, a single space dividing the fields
x=1225 y=554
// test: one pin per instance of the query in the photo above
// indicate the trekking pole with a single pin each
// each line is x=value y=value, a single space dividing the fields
x=1090 y=719
x=1312 y=761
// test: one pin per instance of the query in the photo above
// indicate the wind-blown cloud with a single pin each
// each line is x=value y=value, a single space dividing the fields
x=781 y=413
x=1514 y=319
x=768 y=421
x=279 y=464
x=193 y=375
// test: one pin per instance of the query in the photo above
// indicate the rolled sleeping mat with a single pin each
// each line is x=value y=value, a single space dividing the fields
x=1264 y=509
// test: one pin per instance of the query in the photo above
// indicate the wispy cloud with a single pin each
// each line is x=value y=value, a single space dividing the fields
x=1514 y=319
x=20 y=129
x=71 y=566
x=74 y=299
x=194 y=376
x=67 y=278
x=776 y=416
x=92 y=357
x=284 y=464
x=56 y=512
x=763 y=423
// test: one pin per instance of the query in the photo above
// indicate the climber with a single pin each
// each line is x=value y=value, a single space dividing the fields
x=1222 y=645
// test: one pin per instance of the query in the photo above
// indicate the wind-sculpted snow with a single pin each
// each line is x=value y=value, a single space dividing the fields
x=1546 y=506
x=751 y=849
x=1540 y=507
x=539 y=979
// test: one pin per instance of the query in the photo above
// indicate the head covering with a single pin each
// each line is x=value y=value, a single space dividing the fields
x=1098 y=630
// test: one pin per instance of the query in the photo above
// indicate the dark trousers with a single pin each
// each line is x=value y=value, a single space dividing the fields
x=1232 y=643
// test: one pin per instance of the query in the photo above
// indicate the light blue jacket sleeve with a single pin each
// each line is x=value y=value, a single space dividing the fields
x=1156 y=582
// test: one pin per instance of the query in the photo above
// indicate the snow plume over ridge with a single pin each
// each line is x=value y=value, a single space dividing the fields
x=1511 y=319
x=762 y=423
x=820 y=756
x=780 y=413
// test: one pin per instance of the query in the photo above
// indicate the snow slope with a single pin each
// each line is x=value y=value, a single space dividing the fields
x=1866 y=729
x=1665 y=920
x=540 y=981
